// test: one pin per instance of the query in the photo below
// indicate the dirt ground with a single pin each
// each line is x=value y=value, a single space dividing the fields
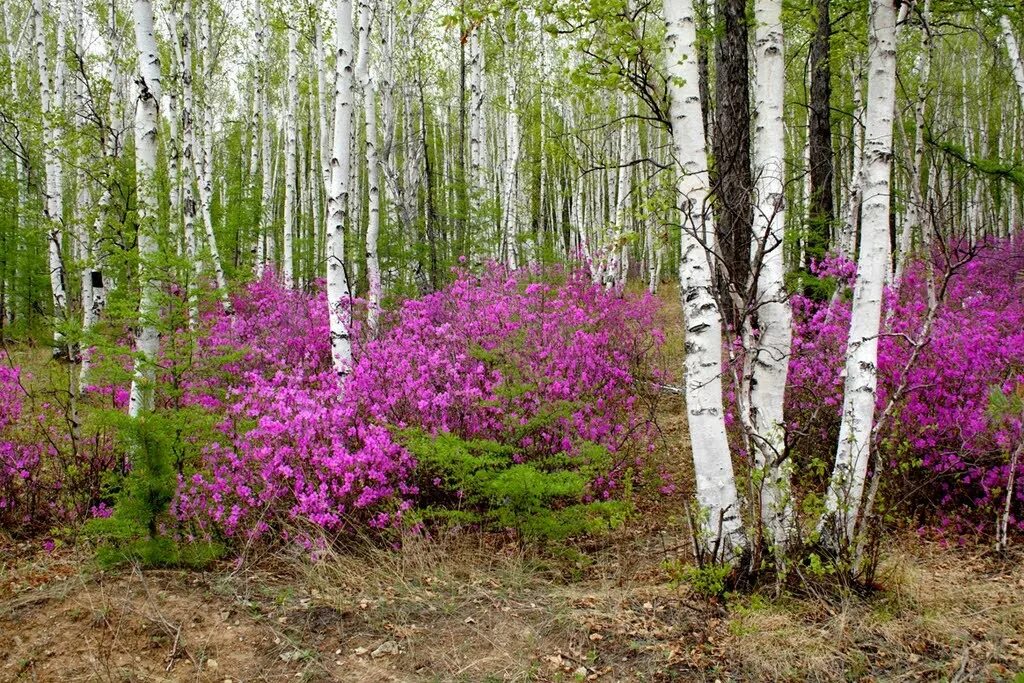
x=481 y=608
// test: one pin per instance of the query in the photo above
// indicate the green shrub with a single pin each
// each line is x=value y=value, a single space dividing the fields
x=135 y=532
x=479 y=482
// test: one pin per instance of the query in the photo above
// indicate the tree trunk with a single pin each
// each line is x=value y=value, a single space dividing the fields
x=732 y=149
x=369 y=88
x=722 y=536
x=338 y=294
x=287 y=257
x=820 y=209
x=915 y=209
x=147 y=128
x=770 y=360
x=843 y=500
x=1013 y=51
x=53 y=206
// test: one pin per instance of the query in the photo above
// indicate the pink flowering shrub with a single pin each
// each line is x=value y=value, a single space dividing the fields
x=543 y=362
x=940 y=446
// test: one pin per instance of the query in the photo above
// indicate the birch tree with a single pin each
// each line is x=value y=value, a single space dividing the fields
x=338 y=293
x=770 y=353
x=147 y=128
x=368 y=86
x=1013 y=51
x=287 y=255
x=722 y=535
x=53 y=206
x=846 y=487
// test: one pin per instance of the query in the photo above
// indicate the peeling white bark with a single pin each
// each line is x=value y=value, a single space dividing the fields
x=147 y=127
x=716 y=485
x=338 y=293
x=843 y=500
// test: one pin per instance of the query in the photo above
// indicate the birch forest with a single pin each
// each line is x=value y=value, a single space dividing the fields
x=465 y=340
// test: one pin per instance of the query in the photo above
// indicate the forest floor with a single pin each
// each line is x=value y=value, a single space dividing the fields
x=482 y=607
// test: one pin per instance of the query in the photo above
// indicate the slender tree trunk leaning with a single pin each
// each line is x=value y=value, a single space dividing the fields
x=843 y=500
x=771 y=352
x=722 y=536
x=368 y=86
x=290 y=170
x=338 y=293
x=147 y=127
x=1013 y=50
x=53 y=204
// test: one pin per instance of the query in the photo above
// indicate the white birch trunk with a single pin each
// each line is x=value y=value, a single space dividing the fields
x=287 y=257
x=1013 y=50
x=843 y=500
x=476 y=125
x=338 y=293
x=770 y=361
x=369 y=90
x=53 y=205
x=147 y=127
x=324 y=129
x=619 y=253
x=848 y=231
x=264 y=249
x=722 y=533
x=182 y=35
x=510 y=190
x=912 y=224
x=204 y=176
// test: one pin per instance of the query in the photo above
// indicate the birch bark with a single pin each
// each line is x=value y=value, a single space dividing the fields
x=843 y=500
x=147 y=127
x=287 y=257
x=770 y=361
x=723 y=536
x=368 y=86
x=53 y=205
x=338 y=293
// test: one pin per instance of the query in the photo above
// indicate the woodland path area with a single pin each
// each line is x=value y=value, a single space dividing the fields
x=478 y=608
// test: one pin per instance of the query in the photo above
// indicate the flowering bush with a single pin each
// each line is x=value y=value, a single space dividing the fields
x=48 y=475
x=541 y=362
x=940 y=435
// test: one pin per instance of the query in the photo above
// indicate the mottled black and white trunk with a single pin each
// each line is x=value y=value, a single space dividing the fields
x=843 y=500
x=147 y=127
x=338 y=293
x=722 y=534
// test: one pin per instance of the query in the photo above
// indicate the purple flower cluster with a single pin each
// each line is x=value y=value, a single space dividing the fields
x=939 y=434
x=539 y=360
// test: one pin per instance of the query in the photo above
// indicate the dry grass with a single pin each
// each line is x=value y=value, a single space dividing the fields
x=942 y=615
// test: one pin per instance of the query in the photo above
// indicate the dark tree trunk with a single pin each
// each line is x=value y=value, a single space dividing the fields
x=820 y=211
x=732 y=145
